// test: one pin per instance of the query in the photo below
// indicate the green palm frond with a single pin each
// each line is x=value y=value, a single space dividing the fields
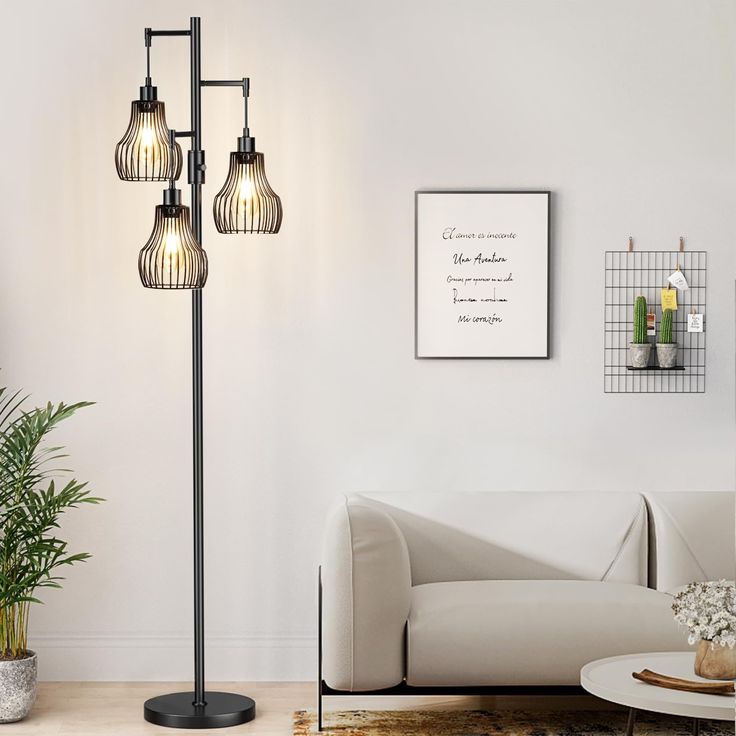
x=31 y=504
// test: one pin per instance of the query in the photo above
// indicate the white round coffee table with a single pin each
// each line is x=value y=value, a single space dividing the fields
x=611 y=680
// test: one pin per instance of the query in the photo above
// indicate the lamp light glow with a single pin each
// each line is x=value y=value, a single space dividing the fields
x=144 y=153
x=247 y=203
x=172 y=258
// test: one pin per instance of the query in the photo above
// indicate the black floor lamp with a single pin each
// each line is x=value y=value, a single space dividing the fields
x=173 y=258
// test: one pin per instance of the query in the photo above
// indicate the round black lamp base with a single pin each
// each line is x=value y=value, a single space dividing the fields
x=177 y=710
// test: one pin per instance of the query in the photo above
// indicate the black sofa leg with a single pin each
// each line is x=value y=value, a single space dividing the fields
x=319 y=708
x=319 y=649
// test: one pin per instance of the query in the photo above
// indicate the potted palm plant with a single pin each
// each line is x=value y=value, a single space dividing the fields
x=31 y=552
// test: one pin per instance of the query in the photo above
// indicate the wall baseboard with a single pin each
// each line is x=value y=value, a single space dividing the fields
x=153 y=657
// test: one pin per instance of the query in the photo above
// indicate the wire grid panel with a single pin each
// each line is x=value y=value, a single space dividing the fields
x=635 y=273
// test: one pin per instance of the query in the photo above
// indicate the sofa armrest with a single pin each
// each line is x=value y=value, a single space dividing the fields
x=366 y=595
x=692 y=537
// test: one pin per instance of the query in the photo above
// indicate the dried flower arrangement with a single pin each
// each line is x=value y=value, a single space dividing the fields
x=708 y=610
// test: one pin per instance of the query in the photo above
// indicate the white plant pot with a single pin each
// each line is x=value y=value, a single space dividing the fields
x=639 y=354
x=17 y=687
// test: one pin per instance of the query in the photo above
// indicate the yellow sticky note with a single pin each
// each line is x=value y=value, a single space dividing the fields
x=669 y=298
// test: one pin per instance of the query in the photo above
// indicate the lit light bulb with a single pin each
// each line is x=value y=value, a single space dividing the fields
x=245 y=192
x=247 y=198
x=172 y=246
x=147 y=138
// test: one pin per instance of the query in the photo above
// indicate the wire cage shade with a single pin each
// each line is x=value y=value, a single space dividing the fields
x=144 y=152
x=172 y=258
x=246 y=203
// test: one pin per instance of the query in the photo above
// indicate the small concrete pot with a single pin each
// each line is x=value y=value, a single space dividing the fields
x=639 y=354
x=17 y=687
x=715 y=662
x=667 y=354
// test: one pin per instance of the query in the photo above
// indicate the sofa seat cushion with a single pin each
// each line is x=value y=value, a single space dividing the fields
x=530 y=632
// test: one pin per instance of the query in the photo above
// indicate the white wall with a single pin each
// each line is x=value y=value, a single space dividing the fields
x=624 y=109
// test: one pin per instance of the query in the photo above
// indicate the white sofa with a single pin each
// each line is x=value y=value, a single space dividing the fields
x=508 y=589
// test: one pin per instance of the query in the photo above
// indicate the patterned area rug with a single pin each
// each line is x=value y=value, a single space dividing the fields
x=499 y=723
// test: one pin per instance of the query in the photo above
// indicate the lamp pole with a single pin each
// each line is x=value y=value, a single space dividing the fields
x=196 y=170
x=197 y=708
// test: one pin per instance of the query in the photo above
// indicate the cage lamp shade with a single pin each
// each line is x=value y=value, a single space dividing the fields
x=246 y=203
x=172 y=258
x=144 y=153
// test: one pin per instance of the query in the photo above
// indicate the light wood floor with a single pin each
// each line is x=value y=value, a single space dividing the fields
x=116 y=708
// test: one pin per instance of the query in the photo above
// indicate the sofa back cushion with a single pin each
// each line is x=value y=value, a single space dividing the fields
x=521 y=536
x=692 y=537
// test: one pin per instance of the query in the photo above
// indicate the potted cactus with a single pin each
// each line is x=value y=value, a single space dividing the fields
x=666 y=346
x=640 y=347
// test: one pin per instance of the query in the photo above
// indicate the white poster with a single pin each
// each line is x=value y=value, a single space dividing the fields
x=482 y=261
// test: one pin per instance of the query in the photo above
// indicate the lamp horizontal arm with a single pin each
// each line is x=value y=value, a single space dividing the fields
x=225 y=82
x=150 y=32
x=243 y=83
x=184 y=134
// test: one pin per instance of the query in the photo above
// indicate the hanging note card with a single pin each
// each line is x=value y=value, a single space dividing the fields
x=669 y=298
x=695 y=322
x=651 y=324
x=678 y=280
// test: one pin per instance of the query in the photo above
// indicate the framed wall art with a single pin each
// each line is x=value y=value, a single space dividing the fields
x=482 y=274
